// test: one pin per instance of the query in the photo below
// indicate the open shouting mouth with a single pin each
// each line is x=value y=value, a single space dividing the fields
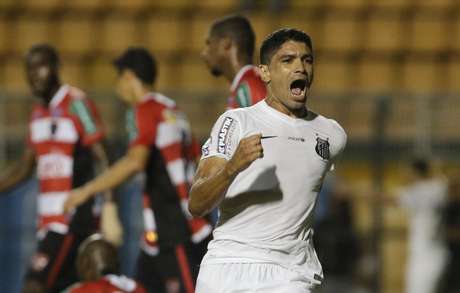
x=298 y=87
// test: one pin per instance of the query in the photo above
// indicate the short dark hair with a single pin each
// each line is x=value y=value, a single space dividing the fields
x=47 y=50
x=275 y=40
x=140 y=61
x=421 y=166
x=239 y=29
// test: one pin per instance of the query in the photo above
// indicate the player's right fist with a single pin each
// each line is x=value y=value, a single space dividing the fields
x=249 y=149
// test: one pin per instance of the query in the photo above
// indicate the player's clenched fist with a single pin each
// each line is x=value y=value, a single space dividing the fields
x=249 y=149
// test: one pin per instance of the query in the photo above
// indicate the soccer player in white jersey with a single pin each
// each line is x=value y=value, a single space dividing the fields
x=263 y=167
x=425 y=199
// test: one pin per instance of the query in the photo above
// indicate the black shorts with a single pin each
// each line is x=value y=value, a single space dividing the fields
x=53 y=264
x=173 y=267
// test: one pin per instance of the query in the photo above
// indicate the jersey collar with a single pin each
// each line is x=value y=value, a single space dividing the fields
x=59 y=96
x=310 y=116
x=239 y=75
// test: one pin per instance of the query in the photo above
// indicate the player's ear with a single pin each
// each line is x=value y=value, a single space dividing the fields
x=264 y=73
x=226 y=43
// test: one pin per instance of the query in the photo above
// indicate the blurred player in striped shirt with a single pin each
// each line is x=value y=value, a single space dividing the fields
x=64 y=140
x=161 y=146
x=228 y=52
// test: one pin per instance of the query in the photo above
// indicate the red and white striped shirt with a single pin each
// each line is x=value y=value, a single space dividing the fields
x=157 y=123
x=56 y=131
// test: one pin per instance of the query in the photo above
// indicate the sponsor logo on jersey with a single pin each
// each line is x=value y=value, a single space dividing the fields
x=223 y=135
x=301 y=139
x=322 y=147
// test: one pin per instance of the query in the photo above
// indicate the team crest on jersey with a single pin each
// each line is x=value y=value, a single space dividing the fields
x=224 y=134
x=322 y=147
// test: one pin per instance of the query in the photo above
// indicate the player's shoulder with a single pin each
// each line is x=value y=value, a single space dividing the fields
x=251 y=76
x=330 y=126
x=156 y=102
x=243 y=113
x=163 y=100
x=93 y=286
x=76 y=94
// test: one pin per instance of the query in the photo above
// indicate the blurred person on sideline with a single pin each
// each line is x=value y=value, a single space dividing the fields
x=98 y=269
x=334 y=234
x=263 y=166
x=452 y=222
x=229 y=52
x=162 y=148
x=425 y=198
x=64 y=142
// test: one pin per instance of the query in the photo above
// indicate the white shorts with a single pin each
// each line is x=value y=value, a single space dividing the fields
x=250 y=278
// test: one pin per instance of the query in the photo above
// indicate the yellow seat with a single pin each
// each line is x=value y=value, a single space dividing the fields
x=195 y=76
x=375 y=76
x=383 y=34
x=428 y=33
x=262 y=26
x=87 y=5
x=221 y=5
x=46 y=6
x=331 y=76
x=5 y=35
x=30 y=31
x=309 y=25
x=165 y=32
x=14 y=76
x=174 y=5
x=102 y=75
x=5 y=5
x=197 y=32
x=300 y=5
x=118 y=33
x=131 y=5
x=439 y=4
x=340 y=34
x=76 y=36
x=73 y=72
x=347 y=4
x=392 y=4
x=421 y=76
x=453 y=74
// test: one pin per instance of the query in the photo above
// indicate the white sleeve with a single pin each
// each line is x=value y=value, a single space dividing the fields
x=224 y=138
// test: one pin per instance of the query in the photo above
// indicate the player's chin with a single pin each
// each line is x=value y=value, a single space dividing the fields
x=298 y=101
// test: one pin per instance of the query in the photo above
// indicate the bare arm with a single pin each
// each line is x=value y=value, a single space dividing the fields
x=214 y=175
x=102 y=162
x=19 y=171
x=133 y=162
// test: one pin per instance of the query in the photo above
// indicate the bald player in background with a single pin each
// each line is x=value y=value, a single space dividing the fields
x=229 y=52
x=98 y=269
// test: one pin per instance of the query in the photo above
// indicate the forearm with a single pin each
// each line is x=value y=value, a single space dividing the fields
x=112 y=177
x=207 y=193
x=102 y=163
x=18 y=172
x=13 y=176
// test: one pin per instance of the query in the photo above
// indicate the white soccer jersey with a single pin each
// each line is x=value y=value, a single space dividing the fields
x=267 y=212
x=428 y=253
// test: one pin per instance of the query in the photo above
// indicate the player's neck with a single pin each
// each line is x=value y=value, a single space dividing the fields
x=236 y=64
x=280 y=107
x=48 y=97
x=141 y=92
